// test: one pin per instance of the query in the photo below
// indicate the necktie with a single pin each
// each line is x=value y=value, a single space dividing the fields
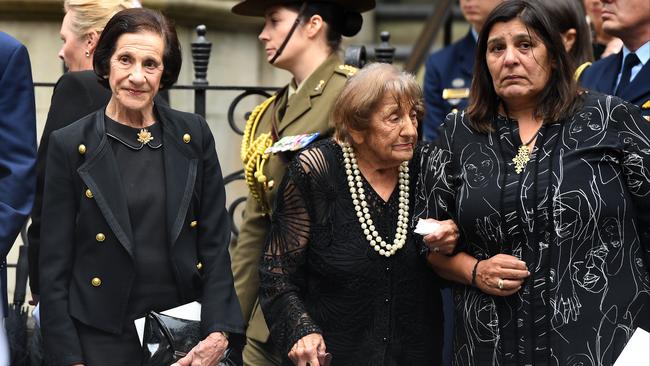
x=631 y=60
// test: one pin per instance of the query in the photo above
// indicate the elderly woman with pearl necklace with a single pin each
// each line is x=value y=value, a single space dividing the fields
x=343 y=279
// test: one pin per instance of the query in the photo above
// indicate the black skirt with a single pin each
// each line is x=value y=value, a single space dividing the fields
x=102 y=348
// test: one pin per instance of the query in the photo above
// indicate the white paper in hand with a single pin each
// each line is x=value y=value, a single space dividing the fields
x=636 y=350
x=426 y=227
x=189 y=311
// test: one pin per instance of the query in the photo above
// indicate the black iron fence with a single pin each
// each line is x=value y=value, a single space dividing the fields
x=201 y=48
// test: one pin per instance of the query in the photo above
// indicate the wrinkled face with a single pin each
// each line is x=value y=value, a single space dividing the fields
x=73 y=50
x=476 y=11
x=278 y=21
x=392 y=133
x=626 y=18
x=518 y=62
x=136 y=68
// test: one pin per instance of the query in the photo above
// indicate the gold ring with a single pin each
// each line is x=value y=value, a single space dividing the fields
x=500 y=284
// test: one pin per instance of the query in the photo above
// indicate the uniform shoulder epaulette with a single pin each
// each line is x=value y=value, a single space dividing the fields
x=580 y=70
x=346 y=70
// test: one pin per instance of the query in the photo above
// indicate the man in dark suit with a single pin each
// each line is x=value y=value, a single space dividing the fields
x=627 y=73
x=448 y=73
x=17 y=154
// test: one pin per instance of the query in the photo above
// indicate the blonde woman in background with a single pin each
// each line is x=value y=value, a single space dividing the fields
x=76 y=94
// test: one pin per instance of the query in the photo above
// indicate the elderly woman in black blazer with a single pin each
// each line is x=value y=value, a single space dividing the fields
x=76 y=94
x=133 y=212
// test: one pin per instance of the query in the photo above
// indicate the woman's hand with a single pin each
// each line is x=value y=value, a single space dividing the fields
x=501 y=275
x=444 y=238
x=307 y=349
x=207 y=353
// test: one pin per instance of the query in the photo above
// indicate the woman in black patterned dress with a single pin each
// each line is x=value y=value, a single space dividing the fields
x=550 y=187
x=342 y=274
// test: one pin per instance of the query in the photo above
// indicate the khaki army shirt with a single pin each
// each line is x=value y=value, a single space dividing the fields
x=306 y=111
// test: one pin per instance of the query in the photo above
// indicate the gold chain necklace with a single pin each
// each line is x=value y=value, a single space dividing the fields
x=523 y=153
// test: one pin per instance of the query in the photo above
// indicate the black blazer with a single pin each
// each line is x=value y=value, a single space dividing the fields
x=76 y=94
x=71 y=258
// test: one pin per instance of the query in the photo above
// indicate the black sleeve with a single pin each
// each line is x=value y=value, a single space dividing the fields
x=435 y=192
x=282 y=269
x=60 y=339
x=73 y=97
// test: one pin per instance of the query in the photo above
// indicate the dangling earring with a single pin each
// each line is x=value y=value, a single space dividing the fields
x=87 y=53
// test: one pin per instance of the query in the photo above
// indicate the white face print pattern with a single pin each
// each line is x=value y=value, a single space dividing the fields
x=578 y=215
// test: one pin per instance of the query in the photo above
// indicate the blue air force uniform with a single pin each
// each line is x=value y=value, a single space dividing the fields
x=447 y=80
x=605 y=76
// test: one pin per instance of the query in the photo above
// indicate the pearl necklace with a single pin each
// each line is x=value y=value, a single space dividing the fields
x=361 y=206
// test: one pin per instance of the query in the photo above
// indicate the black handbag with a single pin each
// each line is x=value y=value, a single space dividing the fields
x=167 y=339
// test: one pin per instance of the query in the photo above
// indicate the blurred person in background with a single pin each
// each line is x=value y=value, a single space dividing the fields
x=17 y=158
x=569 y=16
x=603 y=44
x=625 y=74
x=303 y=38
x=448 y=72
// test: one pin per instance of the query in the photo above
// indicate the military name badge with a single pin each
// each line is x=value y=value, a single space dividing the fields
x=455 y=93
x=292 y=143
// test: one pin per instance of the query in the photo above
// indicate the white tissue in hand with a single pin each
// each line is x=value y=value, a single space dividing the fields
x=426 y=227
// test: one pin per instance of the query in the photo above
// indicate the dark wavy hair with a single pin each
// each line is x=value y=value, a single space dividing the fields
x=135 y=21
x=557 y=100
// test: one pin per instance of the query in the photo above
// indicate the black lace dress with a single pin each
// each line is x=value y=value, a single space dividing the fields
x=578 y=215
x=320 y=275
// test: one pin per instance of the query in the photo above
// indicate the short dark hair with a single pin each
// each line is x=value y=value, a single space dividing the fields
x=567 y=14
x=135 y=21
x=556 y=101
